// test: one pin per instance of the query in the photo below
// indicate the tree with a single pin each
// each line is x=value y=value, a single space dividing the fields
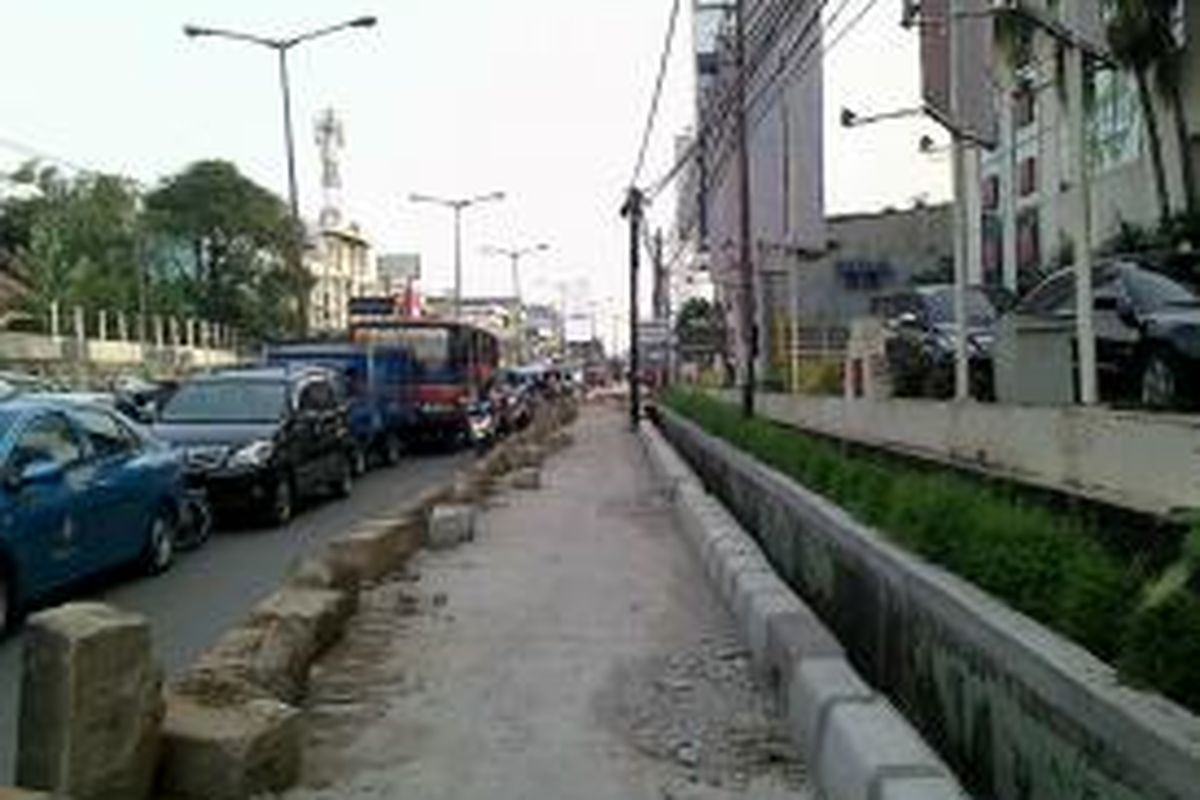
x=72 y=240
x=1135 y=41
x=227 y=240
x=1142 y=39
x=699 y=329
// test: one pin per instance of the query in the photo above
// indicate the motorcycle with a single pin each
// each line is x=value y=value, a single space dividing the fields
x=481 y=426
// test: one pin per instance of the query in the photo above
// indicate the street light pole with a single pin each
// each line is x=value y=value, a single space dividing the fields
x=514 y=256
x=281 y=47
x=457 y=205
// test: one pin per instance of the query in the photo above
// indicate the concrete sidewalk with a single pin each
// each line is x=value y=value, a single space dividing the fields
x=574 y=650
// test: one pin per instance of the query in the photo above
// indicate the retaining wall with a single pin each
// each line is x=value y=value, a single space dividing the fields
x=1018 y=712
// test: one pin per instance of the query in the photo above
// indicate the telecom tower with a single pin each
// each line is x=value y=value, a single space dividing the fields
x=331 y=140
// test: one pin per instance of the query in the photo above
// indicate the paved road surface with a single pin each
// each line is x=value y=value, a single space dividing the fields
x=209 y=590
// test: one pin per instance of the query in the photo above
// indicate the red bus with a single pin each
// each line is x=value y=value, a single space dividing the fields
x=452 y=364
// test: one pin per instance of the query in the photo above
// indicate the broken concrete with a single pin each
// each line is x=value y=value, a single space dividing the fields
x=91 y=704
x=234 y=752
x=450 y=526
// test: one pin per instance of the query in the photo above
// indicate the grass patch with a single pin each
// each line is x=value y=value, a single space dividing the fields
x=1042 y=561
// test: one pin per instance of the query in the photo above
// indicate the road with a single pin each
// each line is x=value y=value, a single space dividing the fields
x=207 y=591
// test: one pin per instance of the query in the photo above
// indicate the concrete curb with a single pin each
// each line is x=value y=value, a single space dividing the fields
x=856 y=744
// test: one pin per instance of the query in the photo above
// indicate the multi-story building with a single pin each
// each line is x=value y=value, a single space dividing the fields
x=783 y=108
x=338 y=258
x=1026 y=195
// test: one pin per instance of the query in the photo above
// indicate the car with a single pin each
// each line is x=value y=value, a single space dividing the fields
x=262 y=438
x=920 y=340
x=82 y=492
x=1147 y=331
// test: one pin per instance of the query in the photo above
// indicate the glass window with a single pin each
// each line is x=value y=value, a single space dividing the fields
x=1150 y=291
x=939 y=306
x=1055 y=293
x=48 y=438
x=107 y=436
x=227 y=401
x=317 y=396
x=1114 y=120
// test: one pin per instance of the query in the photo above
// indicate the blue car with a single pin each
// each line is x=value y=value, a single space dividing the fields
x=82 y=492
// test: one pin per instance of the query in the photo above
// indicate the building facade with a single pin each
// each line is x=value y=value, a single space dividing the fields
x=1024 y=194
x=339 y=261
x=784 y=139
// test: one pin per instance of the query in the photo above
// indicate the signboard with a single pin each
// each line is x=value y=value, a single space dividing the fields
x=959 y=94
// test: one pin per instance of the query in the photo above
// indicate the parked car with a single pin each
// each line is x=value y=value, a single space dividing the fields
x=921 y=333
x=82 y=492
x=260 y=439
x=1147 y=331
x=512 y=400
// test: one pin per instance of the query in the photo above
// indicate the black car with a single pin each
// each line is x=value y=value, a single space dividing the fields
x=1147 y=331
x=920 y=344
x=259 y=439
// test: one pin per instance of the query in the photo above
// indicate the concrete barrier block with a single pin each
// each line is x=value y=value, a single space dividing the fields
x=816 y=686
x=527 y=479
x=229 y=752
x=755 y=610
x=371 y=551
x=310 y=573
x=864 y=743
x=91 y=704
x=451 y=525
x=323 y=611
x=737 y=567
x=266 y=660
x=917 y=788
x=793 y=637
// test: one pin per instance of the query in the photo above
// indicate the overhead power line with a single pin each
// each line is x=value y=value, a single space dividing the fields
x=651 y=118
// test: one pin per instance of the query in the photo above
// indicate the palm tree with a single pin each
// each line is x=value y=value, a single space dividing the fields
x=1168 y=73
x=1133 y=37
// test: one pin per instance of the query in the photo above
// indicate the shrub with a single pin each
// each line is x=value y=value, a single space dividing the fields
x=1045 y=562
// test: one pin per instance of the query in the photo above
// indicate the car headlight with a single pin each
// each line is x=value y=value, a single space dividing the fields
x=255 y=454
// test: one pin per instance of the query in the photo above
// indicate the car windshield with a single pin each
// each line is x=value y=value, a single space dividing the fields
x=940 y=306
x=1150 y=291
x=228 y=401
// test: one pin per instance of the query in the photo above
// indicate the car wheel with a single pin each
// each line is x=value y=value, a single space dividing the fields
x=199 y=524
x=160 y=544
x=343 y=483
x=1159 y=387
x=282 y=502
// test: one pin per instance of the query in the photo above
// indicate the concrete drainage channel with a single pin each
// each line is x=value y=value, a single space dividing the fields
x=857 y=745
x=97 y=724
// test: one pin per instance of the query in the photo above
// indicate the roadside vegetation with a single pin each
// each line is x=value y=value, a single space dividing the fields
x=1047 y=563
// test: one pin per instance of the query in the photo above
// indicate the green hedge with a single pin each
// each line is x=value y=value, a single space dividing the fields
x=1045 y=562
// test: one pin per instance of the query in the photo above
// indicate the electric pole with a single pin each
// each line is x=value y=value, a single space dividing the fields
x=632 y=211
x=745 y=265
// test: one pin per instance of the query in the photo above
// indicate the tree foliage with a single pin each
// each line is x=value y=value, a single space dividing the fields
x=207 y=243
x=700 y=328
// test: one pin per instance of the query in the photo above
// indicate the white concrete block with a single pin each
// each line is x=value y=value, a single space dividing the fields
x=450 y=526
x=862 y=743
x=816 y=685
x=761 y=607
x=931 y=788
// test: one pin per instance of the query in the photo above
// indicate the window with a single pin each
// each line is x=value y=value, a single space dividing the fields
x=1029 y=250
x=1056 y=293
x=1027 y=177
x=1024 y=107
x=1114 y=120
x=107 y=436
x=48 y=438
x=991 y=192
x=227 y=401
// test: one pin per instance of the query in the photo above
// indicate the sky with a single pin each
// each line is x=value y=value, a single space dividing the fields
x=542 y=99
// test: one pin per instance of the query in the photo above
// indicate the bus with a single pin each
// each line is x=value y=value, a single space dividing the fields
x=453 y=364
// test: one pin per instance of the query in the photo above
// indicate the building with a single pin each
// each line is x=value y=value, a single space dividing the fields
x=339 y=261
x=1023 y=203
x=784 y=119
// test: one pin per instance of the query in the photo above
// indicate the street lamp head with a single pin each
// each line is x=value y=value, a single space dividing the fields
x=541 y=247
x=192 y=31
x=848 y=118
x=364 y=22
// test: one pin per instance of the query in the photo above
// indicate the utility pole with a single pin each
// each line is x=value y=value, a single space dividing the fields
x=632 y=211
x=1085 y=333
x=745 y=265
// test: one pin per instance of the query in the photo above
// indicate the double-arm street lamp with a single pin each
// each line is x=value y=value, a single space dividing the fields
x=281 y=47
x=514 y=255
x=457 y=205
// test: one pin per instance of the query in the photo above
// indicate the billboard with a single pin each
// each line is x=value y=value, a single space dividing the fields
x=956 y=85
